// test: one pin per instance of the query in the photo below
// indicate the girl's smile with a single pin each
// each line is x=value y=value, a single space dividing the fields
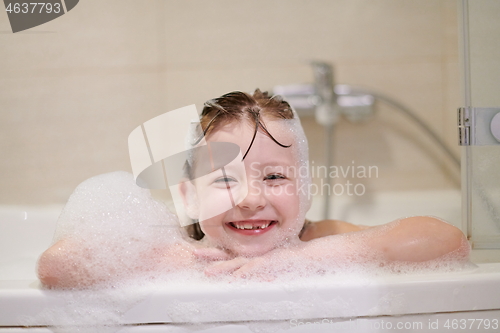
x=251 y=227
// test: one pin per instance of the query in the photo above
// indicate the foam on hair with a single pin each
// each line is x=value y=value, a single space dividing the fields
x=301 y=149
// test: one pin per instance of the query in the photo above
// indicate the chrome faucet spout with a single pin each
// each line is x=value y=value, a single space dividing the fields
x=323 y=79
x=327 y=112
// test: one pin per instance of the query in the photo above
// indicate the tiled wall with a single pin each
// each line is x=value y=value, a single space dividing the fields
x=72 y=90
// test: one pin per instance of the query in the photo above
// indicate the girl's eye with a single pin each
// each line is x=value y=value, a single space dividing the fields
x=224 y=180
x=274 y=176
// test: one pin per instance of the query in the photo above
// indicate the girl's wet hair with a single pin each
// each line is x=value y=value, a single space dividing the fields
x=239 y=106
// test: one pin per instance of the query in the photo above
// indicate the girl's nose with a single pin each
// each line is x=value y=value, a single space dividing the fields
x=255 y=198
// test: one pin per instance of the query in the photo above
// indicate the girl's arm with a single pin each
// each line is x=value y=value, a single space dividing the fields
x=71 y=264
x=414 y=239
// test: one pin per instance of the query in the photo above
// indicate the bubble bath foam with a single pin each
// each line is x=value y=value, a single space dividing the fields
x=349 y=302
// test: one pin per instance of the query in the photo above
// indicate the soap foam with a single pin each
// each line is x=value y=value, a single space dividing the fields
x=115 y=231
x=120 y=224
x=116 y=226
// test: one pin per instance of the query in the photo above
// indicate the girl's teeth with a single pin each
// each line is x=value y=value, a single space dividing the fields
x=250 y=227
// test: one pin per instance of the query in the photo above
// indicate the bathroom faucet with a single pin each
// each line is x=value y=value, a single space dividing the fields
x=327 y=114
x=326 y=111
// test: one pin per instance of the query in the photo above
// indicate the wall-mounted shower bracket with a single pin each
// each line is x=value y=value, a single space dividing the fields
x=478 y=126
x=464 y=126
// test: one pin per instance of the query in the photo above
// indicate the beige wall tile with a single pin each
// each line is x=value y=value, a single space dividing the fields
x=72 y=90
x=237 y=32
x=450 y=28
x=416 y=85
x=95 y=34
x=452 y=103
x=55 y=136
x=198 y=85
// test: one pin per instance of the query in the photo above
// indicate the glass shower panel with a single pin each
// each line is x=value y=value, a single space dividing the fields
x=484 y=226
x=481 y=160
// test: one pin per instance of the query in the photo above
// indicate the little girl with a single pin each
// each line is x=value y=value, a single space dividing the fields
x=267 y=225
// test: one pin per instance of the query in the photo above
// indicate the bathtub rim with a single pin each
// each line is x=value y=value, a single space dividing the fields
x=478 y=289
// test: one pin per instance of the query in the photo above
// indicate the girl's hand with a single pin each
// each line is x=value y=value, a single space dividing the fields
x=264 y=268
x=222 y=263
x=258 y=269
x=226 y=267
x=211 y=254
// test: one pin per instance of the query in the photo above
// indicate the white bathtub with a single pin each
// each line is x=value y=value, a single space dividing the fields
x=463 y=301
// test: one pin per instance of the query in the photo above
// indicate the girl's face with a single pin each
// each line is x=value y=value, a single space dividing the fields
x=268 y=215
